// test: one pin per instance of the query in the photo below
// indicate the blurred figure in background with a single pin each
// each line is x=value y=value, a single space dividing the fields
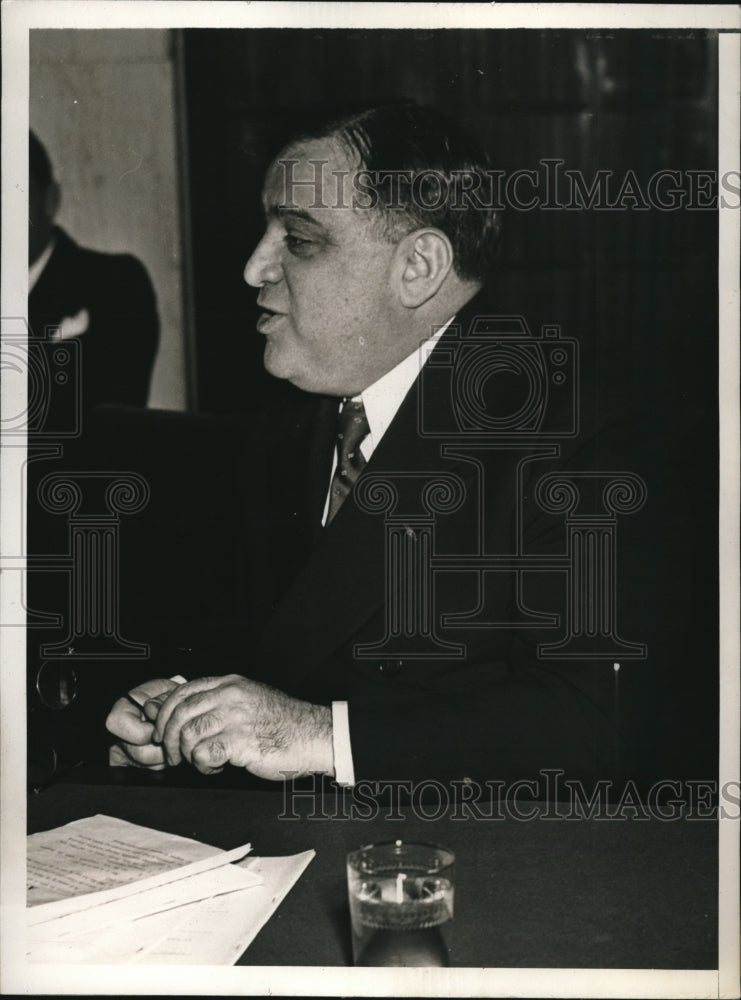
x=104 y=301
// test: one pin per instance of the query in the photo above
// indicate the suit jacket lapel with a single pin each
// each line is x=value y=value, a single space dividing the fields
x=299 y=441
x=343 y=582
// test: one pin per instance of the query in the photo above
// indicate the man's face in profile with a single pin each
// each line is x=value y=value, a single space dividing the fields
x=326 y=277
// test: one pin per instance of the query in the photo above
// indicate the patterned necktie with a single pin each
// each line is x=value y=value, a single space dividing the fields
x=352 y=427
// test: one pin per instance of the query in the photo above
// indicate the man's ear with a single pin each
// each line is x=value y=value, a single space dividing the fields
x=426 y=257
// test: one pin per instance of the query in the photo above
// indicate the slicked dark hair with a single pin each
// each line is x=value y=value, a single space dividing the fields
x=39 y=164
x=440 y=158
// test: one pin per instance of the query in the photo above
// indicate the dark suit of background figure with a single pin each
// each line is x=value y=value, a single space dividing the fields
x=312 y=594
x=109 y=298
x=119 y=346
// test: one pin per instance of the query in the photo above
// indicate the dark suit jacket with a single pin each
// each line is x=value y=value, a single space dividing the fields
x=118 y=347
x=464 y=689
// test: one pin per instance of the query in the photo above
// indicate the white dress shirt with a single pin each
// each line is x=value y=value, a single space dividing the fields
x=381 y=402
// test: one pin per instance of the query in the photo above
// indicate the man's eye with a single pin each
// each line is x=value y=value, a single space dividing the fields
x=297 y=243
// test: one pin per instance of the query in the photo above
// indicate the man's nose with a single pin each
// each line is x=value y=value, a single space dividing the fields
x=264 y=265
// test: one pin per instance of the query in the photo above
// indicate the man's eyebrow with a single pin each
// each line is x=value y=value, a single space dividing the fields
x=283 y=212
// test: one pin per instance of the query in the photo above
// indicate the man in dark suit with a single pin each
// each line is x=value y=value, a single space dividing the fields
x=103 y=302
x=430 y=536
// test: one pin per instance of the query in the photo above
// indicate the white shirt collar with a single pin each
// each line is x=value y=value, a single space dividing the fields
x=35 y=270
x=383 y=399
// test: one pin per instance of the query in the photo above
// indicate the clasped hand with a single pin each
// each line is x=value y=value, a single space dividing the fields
x=216 y=721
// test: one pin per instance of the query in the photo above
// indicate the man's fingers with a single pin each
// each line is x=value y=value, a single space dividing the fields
x=205 y=725
x=126 y=755
x=116 y=756
x=193 y=715
x=157 y=688
x=152 y=707
x=177 y=696
x=216 y=721
x=125 y=723
x=125 y=719
x=210 y=755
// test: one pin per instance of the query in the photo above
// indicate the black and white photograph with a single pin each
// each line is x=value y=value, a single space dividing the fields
x=369 y=538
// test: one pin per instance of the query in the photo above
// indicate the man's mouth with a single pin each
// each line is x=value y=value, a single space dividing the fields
x=268 y=320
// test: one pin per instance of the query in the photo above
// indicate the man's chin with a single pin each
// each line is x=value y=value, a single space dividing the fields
x=303 y=377
x=277 y=365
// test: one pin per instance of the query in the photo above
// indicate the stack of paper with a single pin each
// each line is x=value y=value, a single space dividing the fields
x=104 y=890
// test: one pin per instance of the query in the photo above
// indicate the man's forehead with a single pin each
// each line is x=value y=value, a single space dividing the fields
x=305 y=170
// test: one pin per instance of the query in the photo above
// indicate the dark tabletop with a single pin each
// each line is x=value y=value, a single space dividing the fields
x=548 y=893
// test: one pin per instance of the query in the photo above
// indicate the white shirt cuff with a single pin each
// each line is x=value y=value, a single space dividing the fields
x=344 y=771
